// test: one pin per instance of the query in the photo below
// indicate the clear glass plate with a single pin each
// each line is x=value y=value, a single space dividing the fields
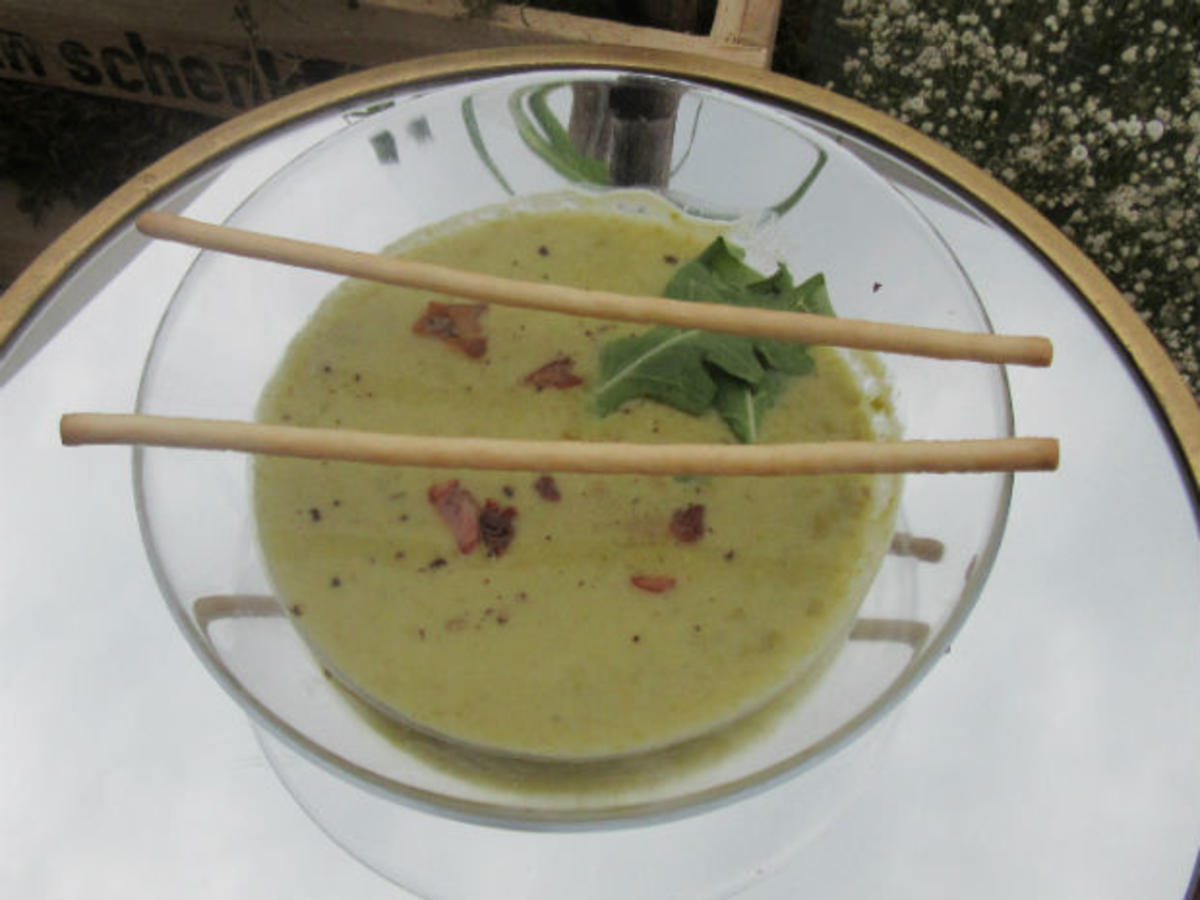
x=435 y=149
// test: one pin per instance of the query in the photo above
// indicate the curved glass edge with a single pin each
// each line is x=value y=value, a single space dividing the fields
x=529 y=819
x=634 y=814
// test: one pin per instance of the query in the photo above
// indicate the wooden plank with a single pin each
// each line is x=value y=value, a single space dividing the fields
x=746 y=23
x=222 y=59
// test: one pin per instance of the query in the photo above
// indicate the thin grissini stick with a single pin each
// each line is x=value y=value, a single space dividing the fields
x=1002 y=454
x=748 y=321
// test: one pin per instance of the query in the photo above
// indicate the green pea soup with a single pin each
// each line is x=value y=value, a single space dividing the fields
x=596 y=615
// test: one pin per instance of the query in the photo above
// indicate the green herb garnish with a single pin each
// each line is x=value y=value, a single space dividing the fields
x=693 y=370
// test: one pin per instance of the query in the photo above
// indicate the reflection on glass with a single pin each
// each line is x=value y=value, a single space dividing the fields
x=622 y=133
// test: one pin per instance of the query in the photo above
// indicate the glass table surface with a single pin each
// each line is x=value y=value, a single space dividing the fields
x=1054 y=752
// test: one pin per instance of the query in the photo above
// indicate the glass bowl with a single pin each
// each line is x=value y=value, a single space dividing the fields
x=432 y=149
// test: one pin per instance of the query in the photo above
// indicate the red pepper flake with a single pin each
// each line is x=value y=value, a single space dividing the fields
x=653 y=584
x=457 y=324
x=496 y=527
x=875 y=287
x=687 y=524
x=547 y=488
x=554 y=374
x=459 y=510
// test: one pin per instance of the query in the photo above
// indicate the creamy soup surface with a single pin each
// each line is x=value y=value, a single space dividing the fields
x=596 y=615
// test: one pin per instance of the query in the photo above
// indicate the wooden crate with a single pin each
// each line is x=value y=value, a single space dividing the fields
x=222 y=57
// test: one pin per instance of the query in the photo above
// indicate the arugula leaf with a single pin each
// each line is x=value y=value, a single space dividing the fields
x=815 y=297
x=694 y=370
x=663 y=364
x=719 y=267
x=743 y=405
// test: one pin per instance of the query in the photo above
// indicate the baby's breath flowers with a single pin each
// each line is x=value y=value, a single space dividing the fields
x=1089 y=110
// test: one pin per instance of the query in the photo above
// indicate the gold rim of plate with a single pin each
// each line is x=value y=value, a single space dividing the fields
x=1171 y=393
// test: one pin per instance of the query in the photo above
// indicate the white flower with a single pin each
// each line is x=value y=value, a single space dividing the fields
x=931 y=58
x=1155 y=129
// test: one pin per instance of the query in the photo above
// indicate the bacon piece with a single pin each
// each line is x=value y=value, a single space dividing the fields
x=496 y=527
x=459 y=510
x=653 y=584
x=554 y=374
x=547 y=488
x=687 y=524
x=458 y=325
